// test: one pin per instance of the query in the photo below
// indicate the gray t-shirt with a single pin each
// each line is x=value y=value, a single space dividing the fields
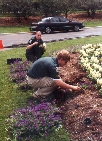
x=42 y=67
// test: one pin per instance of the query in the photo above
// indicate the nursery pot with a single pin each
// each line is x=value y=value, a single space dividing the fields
x=87 y=121
x=12 y=60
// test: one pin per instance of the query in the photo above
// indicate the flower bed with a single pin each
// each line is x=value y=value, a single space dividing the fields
x=34 y=120
x=18 y=71
x=83 y=104
x=91 y=61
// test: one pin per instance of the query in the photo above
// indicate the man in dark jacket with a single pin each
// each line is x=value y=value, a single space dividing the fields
x=43 y=74
x=35 y=48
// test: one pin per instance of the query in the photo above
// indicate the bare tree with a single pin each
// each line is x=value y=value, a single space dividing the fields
x=56 y=6
x=20 y=8
x=67 y=6
x=47 y=7
x=90 y=6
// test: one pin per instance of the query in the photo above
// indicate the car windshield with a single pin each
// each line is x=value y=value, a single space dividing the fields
x=46 y=19
x=54 y=19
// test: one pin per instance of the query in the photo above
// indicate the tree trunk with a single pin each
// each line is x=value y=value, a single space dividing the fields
x=66 y=13
x=88 y=12
x=92 y=14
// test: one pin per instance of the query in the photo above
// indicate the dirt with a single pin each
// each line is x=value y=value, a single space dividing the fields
x=82 y=17
x=81 y=105
x=77 y=106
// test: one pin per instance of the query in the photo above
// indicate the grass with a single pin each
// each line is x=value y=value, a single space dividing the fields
x=93 y=23
x=14 y=29
x=72 y=45
x=6 y=14
x=11 y=98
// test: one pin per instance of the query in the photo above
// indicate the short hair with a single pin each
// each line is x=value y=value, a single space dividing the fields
x=63 y=54
x=37 y=32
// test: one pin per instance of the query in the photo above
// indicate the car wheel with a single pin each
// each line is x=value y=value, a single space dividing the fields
x=76 y=28
x=47 y=30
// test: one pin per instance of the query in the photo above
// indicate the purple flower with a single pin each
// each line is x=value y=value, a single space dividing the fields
x=18 y=71
x=34 y=119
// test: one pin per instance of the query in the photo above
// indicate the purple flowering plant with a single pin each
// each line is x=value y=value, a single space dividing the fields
x=34 y=120
x=84 y=85
x=18 y=71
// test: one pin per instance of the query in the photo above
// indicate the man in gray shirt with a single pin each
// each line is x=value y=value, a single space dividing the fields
x=43 y=75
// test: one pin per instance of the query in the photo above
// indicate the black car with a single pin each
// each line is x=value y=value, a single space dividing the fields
x=57 y=23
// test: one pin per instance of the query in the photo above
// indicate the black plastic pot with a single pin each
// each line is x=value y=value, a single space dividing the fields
x=12 y=60
x=87 y=121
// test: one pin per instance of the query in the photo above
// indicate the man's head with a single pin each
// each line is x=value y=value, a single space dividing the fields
x=63 y=57
x=38 y=35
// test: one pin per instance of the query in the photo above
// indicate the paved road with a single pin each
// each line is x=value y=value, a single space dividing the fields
x=10 y=40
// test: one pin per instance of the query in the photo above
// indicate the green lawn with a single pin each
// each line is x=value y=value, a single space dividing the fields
x=93 y=23
x=14 y=29
x=11 y=98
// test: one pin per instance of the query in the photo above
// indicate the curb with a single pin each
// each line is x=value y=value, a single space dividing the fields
x=62 y=39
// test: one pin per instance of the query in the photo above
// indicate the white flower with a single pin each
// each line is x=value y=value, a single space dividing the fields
x=91 y=60
x=100 y=69
x=97 y=53
x=97 y=74
x=83 y=53
x=96 y=66
x=99 y=81
x=94 y=59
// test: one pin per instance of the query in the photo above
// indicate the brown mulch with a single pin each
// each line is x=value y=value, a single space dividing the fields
x=81 y=105
x=84 y=17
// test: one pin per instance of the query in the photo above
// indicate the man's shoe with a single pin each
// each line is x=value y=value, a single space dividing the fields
x=37 y=96
x=34 y=95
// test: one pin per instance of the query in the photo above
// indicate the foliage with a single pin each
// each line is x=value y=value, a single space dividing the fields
x=18 y=72
x=33 y=120
x=19 y=8
x=55 y=7
x=26 y=8
x=84 y=85
x=90 y=6
x=91 y=60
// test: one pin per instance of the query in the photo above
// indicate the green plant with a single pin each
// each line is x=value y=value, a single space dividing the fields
x=33 y=120
x=18 y=72
x=84 y=85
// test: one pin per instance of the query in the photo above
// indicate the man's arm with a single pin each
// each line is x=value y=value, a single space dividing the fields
x=32 y=45
x=64 y=85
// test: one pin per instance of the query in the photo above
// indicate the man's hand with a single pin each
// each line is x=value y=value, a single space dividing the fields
x=35 y=43
x=32 y=45
x=76 y=88
x=44 y=45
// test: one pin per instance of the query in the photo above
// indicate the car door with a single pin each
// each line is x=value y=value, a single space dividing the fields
x=55 y=23
x=64 y=24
